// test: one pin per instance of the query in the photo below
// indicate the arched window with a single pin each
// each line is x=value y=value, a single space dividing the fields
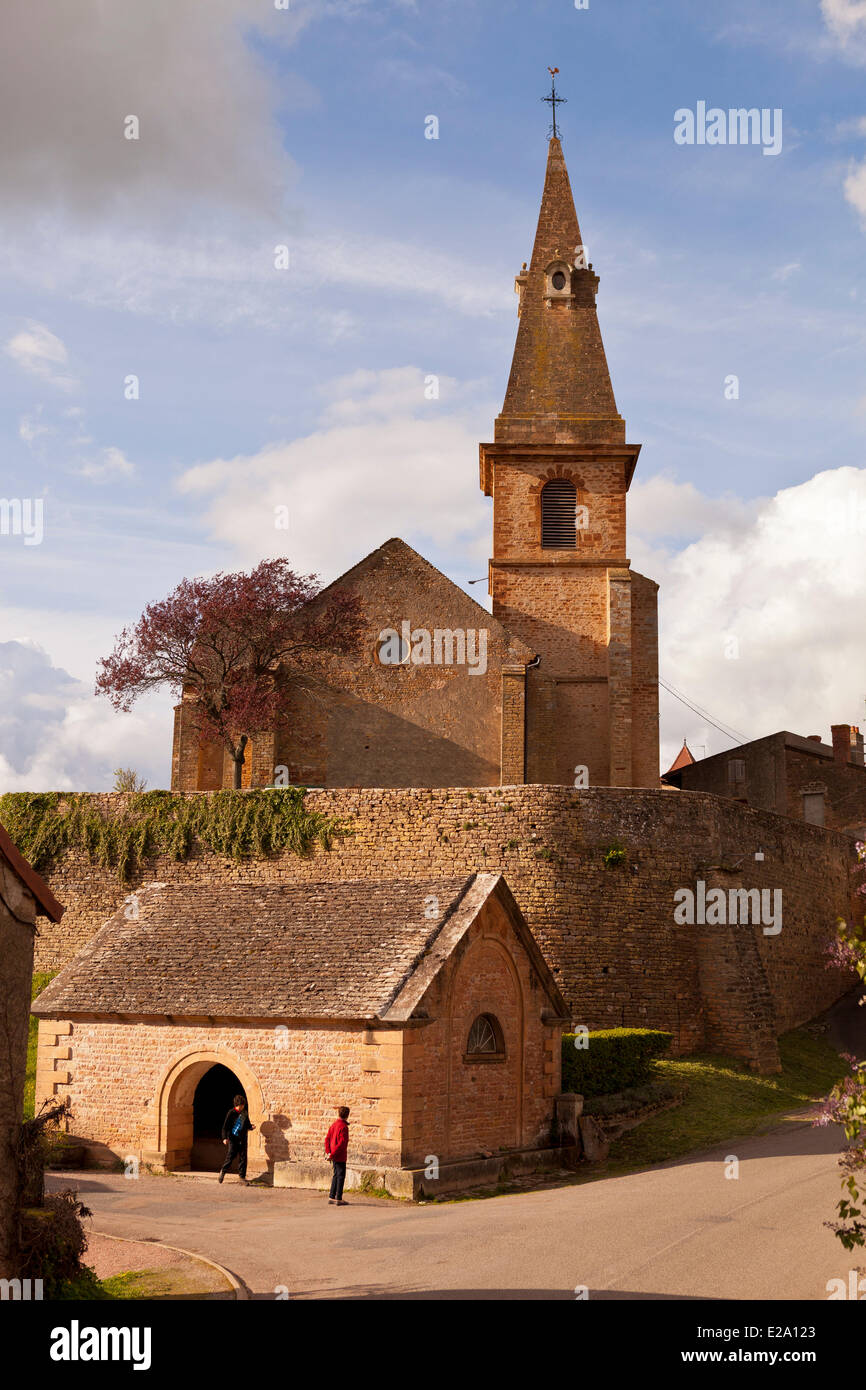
x=559 y=515
x=485 y=1038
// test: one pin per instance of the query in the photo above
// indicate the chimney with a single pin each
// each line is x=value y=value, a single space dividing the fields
x=844 y=744
x=856 y=746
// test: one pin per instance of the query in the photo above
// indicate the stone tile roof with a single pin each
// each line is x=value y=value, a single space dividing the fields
x=320 y=950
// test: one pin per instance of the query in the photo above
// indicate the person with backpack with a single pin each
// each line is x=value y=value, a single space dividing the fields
x=236 y=1127
x=336 y=1149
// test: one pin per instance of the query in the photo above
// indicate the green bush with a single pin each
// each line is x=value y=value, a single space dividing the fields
x=615 y=1060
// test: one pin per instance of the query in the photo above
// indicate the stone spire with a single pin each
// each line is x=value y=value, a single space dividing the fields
x=559 y=390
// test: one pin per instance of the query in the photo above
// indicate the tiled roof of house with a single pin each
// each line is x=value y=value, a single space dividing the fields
x=683 y=759
x=320 y=950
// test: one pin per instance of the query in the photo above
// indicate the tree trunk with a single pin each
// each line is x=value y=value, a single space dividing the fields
x=239 y=761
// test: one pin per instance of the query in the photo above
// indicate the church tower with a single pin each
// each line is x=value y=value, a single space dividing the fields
x=585 y=712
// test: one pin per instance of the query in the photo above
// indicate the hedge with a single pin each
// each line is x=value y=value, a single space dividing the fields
x=610 y=1060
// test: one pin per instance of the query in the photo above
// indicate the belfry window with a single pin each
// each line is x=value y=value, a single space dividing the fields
x=559 y=515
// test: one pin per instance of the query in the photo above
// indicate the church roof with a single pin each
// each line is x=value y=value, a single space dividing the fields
x=357 y=950
x=559 y=372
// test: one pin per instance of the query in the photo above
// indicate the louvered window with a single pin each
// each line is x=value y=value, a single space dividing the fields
x=558 y=515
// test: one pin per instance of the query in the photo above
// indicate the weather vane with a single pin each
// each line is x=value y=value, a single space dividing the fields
x=554 y=100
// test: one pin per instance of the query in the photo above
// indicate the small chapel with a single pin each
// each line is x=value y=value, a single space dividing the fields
x=558 y=686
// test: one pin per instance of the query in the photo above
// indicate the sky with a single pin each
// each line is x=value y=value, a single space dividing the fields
x=237 y=311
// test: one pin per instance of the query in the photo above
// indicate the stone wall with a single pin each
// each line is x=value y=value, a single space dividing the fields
x=131 y=1083
x=607 y=933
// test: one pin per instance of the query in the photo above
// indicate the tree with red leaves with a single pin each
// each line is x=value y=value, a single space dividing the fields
x=229 y=642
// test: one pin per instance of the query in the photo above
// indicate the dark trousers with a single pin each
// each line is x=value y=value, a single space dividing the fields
x=337 y=1180
x=237 y=1150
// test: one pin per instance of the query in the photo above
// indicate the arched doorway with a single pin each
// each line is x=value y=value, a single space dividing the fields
x=188 y=1120
x=212 y=1099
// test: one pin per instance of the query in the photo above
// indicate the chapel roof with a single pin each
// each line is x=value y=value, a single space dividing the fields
x=356 y=950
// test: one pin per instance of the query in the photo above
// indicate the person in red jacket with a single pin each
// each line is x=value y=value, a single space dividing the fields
x=336 y=1148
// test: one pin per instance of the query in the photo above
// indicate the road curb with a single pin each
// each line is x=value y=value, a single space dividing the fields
x=241 y=1292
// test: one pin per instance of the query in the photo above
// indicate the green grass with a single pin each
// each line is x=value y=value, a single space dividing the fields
x=137 y=1283
x=727 y=1101
x=40 y=980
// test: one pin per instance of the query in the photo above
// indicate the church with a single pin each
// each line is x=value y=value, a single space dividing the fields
x=511 y=861
x=567 y=691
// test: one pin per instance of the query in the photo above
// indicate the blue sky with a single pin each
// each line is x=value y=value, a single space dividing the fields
x=304 y=386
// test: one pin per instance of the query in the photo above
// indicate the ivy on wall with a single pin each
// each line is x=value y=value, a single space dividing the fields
x=240 y=824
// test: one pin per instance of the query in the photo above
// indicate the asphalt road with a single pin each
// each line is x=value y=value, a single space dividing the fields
x=682 y=1230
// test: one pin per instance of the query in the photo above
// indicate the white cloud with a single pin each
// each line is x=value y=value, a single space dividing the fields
x=112 y=463
x=226 y=282
x=855 y=188
x=785 y=586
x=386 y=462
x=39 y=351
x=31 y=427
x=854 y=125
x=54 y=734
x=204 y=101
x=846 y=19
x=784 y=272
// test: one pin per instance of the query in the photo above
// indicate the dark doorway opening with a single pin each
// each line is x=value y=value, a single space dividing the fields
x=213 y=1099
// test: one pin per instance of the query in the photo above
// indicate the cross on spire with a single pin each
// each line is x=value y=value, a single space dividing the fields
x=553 y=100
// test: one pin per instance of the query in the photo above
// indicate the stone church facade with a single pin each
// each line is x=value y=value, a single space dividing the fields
x=567 y=690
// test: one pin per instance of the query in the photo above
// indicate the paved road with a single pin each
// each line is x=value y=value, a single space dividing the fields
x=678 y=1231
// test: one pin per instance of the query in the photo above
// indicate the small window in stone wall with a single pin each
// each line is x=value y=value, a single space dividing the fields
x=486 y=1041
x=814 y=809
x=736 y=770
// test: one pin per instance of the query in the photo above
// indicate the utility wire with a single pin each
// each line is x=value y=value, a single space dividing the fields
x=696 y=709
